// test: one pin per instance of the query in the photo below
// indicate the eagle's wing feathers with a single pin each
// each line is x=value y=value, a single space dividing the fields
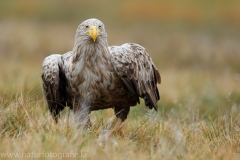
x=135 y=67
x=54 y=84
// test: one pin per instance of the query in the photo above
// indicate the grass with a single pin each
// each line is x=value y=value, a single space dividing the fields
x=199 y=109
x=179 y=133
x=197 y=119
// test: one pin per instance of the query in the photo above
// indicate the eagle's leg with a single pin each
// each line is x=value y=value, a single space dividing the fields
x=81 y=114
x=121 y=114
x=117 y=128
x=55 y=109
x=55 y=115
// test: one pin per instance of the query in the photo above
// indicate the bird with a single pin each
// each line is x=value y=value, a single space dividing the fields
x=95 y=76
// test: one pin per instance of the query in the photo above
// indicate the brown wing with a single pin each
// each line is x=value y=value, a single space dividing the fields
x=136 y=68
x=54 y=84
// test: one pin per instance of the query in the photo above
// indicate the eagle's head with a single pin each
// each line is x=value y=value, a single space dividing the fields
x=91 y=30
x=90 y=39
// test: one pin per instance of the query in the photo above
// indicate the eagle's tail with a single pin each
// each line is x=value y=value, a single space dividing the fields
x=151 y=98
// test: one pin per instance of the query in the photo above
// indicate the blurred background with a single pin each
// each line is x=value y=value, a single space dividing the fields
x=195 y=45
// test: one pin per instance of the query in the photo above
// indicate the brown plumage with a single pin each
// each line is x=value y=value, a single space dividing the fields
x=94 y=76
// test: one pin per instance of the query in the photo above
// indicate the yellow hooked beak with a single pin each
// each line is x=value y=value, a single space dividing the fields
x=93 y=32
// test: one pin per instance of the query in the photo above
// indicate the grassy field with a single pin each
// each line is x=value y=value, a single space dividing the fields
x=195 y=47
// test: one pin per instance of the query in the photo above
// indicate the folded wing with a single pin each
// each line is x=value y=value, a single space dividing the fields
x=137 y=70
x=54 y=84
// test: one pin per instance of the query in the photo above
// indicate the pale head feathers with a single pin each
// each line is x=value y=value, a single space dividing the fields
x=84 y=43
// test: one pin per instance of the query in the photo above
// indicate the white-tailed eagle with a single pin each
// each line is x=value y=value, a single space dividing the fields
x=96 y=76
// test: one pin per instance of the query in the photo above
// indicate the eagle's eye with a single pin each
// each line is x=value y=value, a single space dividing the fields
x=99 y=26
x=87 y=26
